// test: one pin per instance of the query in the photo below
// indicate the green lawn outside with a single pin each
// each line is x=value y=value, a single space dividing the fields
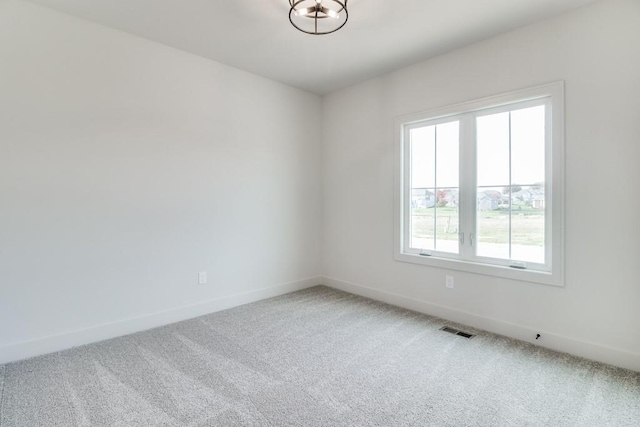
x=493 y=226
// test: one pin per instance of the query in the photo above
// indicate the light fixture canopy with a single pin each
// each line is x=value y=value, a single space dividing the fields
x=318 y=17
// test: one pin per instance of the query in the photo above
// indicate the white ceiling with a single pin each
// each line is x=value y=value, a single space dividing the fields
x=256 y=36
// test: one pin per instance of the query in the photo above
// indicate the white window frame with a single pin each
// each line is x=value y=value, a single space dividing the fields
x=552 y=272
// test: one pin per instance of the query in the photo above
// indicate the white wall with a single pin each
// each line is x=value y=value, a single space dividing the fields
x=126 y=167
x=596 y=50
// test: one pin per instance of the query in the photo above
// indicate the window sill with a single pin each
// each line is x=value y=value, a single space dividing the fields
x=533 y=276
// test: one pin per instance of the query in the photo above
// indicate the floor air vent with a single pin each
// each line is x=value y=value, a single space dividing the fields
x=457 y=332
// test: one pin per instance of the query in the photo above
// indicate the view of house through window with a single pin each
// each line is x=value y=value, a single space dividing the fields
x=510 y=212
x=509 y=185
x=435 y=187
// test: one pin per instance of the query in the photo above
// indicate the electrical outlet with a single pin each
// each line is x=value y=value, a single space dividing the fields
x=202 y=277
x=449 y=282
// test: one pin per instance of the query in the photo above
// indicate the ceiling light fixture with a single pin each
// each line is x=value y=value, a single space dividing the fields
x=318 y=17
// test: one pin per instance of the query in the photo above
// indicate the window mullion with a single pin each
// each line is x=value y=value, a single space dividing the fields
x=467 y=183
x=510 y=190
x=435 y=188
x=406 y=188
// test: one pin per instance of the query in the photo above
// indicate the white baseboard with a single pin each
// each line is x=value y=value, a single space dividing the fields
x=588 y=350
x=53 y=343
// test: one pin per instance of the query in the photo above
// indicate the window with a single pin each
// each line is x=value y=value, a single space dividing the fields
x=480 y=186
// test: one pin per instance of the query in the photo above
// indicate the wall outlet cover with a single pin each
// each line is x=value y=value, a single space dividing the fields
x=449 y=282
x=202 y=277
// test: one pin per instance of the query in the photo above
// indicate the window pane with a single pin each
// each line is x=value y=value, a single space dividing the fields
x=434 y=212
x=423 y=203
x=508 y=224
x=493 y=149
x=423 y=195
x=447 y=154
x=527 y=146
x=492 y=219
x=447 y=220
x=527 y=224
x=423 y=157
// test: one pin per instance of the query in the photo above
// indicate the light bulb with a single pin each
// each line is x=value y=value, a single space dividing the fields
x=332 y=14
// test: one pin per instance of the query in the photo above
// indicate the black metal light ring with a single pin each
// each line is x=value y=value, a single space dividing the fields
x=294 y=3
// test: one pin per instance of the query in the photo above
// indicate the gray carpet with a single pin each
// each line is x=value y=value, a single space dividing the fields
x=318 y=357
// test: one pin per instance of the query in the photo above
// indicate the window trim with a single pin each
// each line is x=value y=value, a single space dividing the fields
x=554 y=189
